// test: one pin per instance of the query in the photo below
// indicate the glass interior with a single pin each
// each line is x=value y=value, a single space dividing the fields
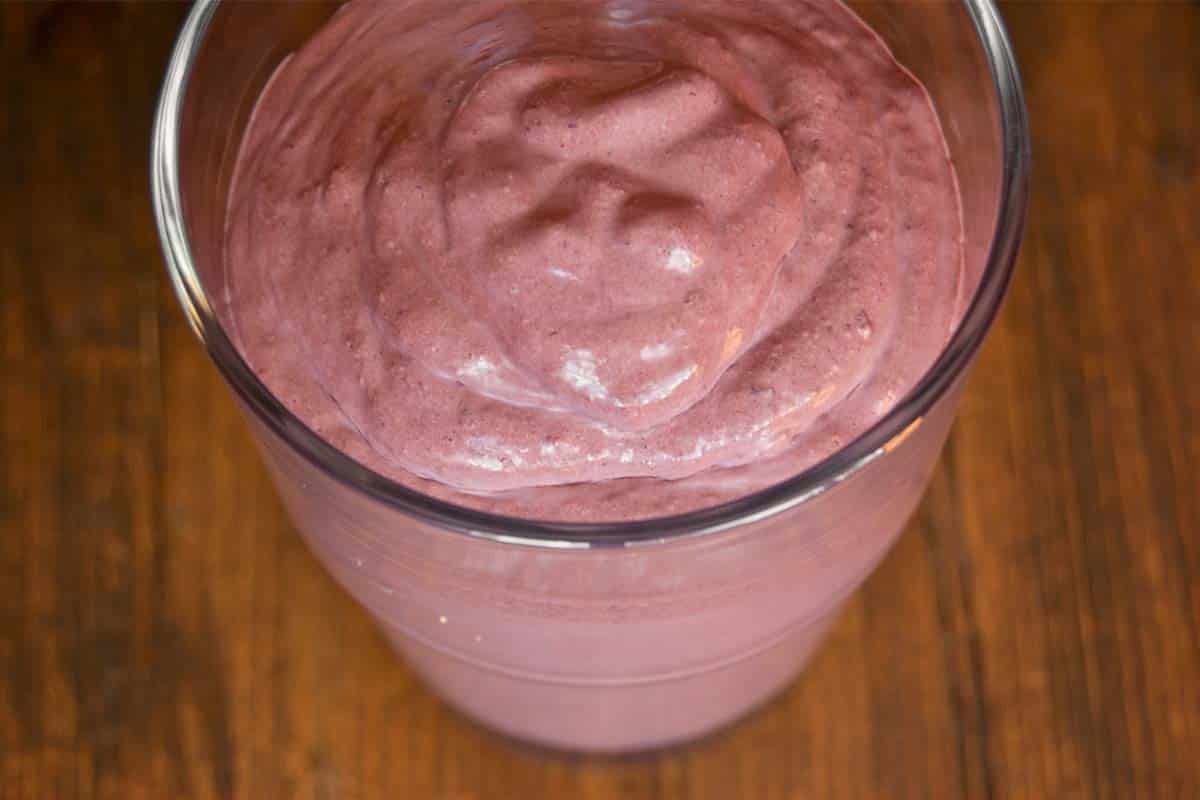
x=227 y=51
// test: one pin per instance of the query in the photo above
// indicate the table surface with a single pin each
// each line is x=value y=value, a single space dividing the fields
x=1036 y=632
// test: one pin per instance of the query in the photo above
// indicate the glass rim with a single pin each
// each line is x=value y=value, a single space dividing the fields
x=870 y=445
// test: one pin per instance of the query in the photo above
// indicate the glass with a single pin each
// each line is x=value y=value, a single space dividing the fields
x=616 y=637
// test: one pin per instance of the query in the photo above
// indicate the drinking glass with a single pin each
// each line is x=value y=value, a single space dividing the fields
x=599 y=637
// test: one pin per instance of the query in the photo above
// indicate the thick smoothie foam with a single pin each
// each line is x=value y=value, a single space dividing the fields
x=583 y=261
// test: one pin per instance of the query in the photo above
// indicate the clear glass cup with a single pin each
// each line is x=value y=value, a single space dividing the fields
x=606 y=638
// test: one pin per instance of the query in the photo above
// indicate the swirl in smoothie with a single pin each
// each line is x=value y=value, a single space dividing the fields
x=588 y=261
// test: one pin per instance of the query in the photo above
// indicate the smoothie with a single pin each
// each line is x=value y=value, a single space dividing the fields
x=592 y=261
x=596 y=261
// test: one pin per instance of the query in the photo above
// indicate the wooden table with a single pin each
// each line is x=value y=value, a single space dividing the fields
x=165 y=634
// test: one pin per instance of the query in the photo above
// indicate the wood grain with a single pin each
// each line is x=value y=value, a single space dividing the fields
x=1036 y=634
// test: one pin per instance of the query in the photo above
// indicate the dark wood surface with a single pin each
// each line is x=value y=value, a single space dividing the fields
x=1036 y=633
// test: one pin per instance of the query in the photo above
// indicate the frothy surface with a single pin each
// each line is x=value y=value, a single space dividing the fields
x=580 y=261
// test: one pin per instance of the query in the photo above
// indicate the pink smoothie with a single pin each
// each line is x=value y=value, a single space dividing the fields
x=592 y=261
x=597 y=260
